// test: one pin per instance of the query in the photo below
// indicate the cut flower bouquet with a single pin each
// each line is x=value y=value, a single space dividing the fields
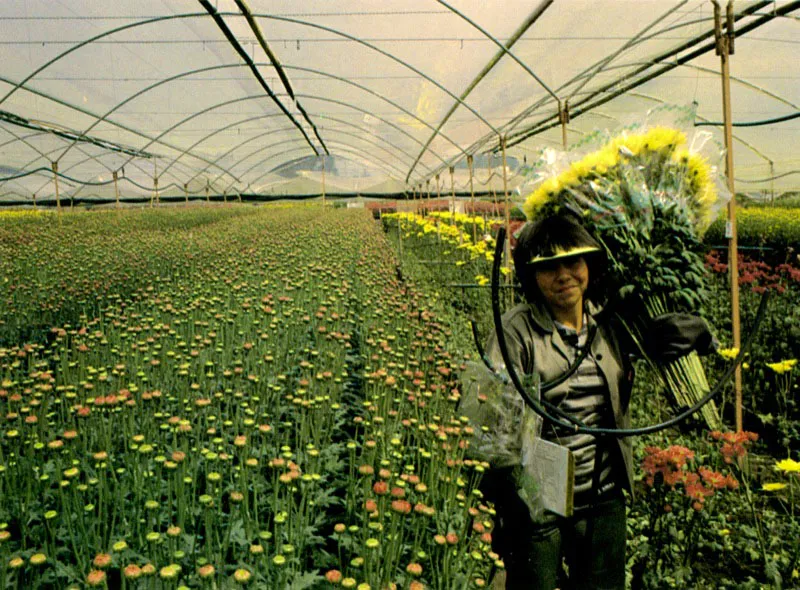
x=648 y=199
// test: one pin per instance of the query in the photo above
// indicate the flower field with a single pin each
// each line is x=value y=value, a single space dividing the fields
x=232 y=396
x=711 y=509
x=220 y=397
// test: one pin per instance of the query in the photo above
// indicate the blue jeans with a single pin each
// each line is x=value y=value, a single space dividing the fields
x=591 y=544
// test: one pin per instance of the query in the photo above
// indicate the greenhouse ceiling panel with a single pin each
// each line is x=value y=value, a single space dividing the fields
x=235 y=97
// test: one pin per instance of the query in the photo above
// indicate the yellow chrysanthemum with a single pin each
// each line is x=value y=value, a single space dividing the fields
x=783 y=366
x=728 y=353
x=661 y=138
x=773 y=487
x=788 y=466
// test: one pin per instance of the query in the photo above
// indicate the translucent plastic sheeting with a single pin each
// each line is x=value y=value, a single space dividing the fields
x=385 y=96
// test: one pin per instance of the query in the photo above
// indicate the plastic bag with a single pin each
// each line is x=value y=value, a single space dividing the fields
x=507 y=433
x=502 y=423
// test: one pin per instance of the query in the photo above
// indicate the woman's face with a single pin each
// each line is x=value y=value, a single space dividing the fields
x=563 y=282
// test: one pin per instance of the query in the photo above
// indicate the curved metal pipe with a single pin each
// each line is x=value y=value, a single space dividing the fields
x=615 y=432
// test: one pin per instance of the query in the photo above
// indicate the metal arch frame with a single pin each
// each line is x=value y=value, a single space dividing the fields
x=641 y=39
x=736 y=79
x=355 y=150
x=370 y=132
x=476 y=146
x=361 y=138
x=386 y=166
x=266 y=16
x=746 y=144
x=398 y=149
x=543 y=125
x=504 y=50
x=202 y=70
x=319 y=72
x=89 y=157
x=109 y=121
x=226 y=127
x=247 y=157
x=382 y=52
x=397 y=128
x=382 y=97
x=345 y=104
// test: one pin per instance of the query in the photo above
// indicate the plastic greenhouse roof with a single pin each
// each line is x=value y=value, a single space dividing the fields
x=256 y=97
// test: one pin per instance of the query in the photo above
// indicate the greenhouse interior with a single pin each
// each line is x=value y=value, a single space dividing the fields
x=404 y=294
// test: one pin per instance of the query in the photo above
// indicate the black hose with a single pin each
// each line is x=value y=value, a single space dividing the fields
x=547 y=386
x=617 y=432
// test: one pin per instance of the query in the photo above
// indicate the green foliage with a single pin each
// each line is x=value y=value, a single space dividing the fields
x=764 y=227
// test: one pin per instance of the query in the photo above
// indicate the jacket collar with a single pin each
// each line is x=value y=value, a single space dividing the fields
x=544 y=320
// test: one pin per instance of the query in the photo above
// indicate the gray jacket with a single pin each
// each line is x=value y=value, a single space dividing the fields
x=535 y=346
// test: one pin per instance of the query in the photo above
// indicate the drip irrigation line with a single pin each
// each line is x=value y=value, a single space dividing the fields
x=751 y=123
x=542 y=410
x=71 y=135
x=248 y=60
x=770 y=177
x=248 y=15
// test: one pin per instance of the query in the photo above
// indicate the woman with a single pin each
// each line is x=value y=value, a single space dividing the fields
x=560 y=267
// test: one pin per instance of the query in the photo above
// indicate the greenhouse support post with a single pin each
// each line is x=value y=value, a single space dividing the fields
x=428 y=187
x=508 y=208
x=186 y=193
x=116 y=188
x=323 y=182
x=207 y=189
x=724 y=48
x=155 y=182
x=55 y=180
x=453 y=194
x=472 y=198
x=563 y=118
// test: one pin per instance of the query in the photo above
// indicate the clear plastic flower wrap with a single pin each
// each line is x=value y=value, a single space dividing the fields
x=502 y=423
x=648 y=193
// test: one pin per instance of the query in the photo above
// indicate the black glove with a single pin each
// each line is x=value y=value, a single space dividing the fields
x=673 y=335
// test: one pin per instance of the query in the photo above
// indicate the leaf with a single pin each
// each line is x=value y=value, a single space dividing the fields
x=304 y=580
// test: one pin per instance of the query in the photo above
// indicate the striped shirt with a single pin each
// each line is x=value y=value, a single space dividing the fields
x=587 y=400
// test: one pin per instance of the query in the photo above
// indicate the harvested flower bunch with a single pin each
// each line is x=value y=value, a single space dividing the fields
x=648 y=199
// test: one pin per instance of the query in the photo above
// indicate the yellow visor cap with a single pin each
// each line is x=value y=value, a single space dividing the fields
x=577 y=251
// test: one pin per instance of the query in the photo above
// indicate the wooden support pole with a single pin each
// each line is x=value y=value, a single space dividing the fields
x=323 y=182
x=472 y=198
x=428 y=188
x=491 y=182
x=186 y=193
x=225 y=196
x=724 y=48
x=438 y=191
x=207 y=189
x=563 y=117
x=507 y=207
x=453 y=194
x=116 y=188
x=34 y=201
x=55 y=180
x=155 y=182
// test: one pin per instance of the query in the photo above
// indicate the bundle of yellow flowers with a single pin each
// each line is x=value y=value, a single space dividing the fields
x=648 y=199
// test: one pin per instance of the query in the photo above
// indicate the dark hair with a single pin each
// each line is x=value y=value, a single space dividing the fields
x=548 y=236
